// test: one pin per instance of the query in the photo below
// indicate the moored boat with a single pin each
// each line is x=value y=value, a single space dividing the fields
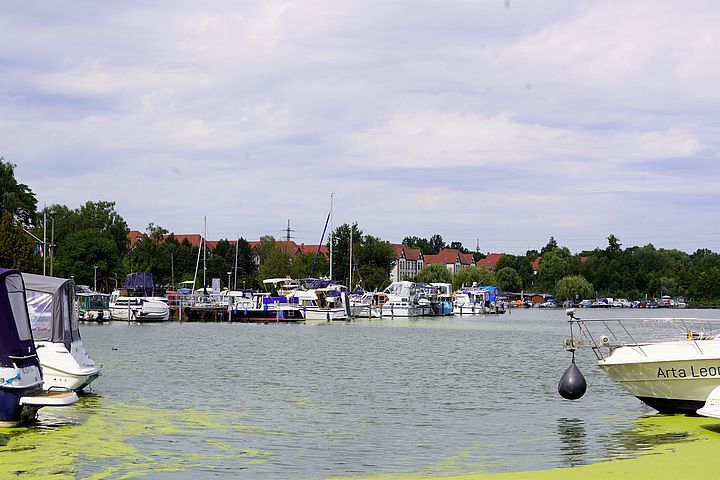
x=54 y=321
x=21 y=389
x=674 y=371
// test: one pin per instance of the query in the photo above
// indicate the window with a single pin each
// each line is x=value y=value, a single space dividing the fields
x=39 y=305
x=15 y=288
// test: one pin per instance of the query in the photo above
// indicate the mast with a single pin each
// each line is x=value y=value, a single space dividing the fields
x=237 y=246
x=204 y=244
x=331 y=235
x=351 y=242
x=44 y=242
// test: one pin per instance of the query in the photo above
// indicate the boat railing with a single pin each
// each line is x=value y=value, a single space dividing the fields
x=604 y=334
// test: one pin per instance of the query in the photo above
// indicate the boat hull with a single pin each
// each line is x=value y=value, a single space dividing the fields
x=671 y=377
x=267 y=316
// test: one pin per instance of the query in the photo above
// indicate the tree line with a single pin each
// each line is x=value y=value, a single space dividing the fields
x=93 y=238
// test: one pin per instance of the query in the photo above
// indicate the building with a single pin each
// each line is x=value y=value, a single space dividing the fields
x=453 y=259
x=490 y=261
x=408 y=263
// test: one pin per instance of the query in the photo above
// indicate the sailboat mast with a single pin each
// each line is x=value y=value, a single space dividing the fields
x=204 y=250
x=237 y=246
x=351 y=242
x=331 y=235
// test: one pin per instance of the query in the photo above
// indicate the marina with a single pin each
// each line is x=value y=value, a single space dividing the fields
x=301 y=402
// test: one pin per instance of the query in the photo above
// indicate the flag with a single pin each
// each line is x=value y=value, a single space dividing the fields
x=38 y=250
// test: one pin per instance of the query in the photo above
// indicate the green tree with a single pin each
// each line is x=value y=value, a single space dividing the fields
x=434 y=273
x=508 y=280
x=479 y=276
x=572 y=287
x=16 y=246
x=150 y=254
x=276 y=264
x=375 y=260
x=341 y=250
x=82 y=251
x=16 y=198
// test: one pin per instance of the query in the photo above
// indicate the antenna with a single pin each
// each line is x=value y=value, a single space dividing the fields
x=287 y=232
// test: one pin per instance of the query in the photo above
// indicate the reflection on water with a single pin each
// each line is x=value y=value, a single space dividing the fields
x=436 y=396
x=573 y=436
x=642 y=439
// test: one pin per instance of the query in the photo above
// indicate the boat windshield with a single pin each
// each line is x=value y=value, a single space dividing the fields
x=14 y=285
x=39 y=305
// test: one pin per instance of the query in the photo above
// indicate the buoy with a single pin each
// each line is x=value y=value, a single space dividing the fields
x=114 y=349
x=572 y=384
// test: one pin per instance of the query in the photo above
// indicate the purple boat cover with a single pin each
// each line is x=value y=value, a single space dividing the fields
x=15 y=335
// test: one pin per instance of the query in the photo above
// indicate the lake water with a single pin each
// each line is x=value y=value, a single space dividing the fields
x=432 y=396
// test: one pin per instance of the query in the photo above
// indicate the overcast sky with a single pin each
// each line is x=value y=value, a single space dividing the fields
x=505 y=121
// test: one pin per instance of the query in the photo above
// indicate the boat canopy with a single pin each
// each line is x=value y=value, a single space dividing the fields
x=51 y=305
x=141 y=284
x=16 y=338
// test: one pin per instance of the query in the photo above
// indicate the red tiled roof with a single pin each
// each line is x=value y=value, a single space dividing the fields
x=134 y=236
x=536 y=263
x=446 y=256
x=194 y=238
x=324 y=250
x=490 y=261
x=412 y=254
x=466 y=258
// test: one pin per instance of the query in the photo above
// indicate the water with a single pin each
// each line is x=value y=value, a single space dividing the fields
x=434 y=396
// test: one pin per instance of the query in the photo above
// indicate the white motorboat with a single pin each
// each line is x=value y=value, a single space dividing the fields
x=321 y=305
x=21 y=389
x=675 y=372
x=54 y=320
x=138 y=309
x=402 y=300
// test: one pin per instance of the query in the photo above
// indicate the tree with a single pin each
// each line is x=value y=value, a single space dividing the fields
x=508 y=280
x=276 y=264
x=459 y=246
x=551 y=245
x=84 y=250
x=16 y=198
x=572 y=287
x=341 y=250
x=16 y=246
x=479 y=276
x=436 y=243
x=434 y=273
x=150 y=254
x=555 y=265
x=375 y=260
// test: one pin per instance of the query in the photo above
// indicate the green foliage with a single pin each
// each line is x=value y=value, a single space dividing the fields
x=341 y=250
x=16 y=246
x=509 y=280
x=522 y=266
x=15 y=198
x=276 y=263
x=480 y=276
x=572 y=287
x=151 y=254
x=427 y=246
x=83 y=250
x=434 y=273
x=375 y=260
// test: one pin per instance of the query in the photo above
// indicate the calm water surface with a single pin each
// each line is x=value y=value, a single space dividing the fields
x=435 y=396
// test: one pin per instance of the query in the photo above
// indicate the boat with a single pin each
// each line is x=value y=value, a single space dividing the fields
x=263 y=308
x=140 y=300
x=470 y=301
x=54 y=321
x=368 y=305
x=92 y=306
x=675 y=371
x=21 y=388
x=137 y=309
x=322 y=301
x=402 y=300
x=443 y=304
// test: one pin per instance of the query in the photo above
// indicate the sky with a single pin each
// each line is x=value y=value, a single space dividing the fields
x=491 y=123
